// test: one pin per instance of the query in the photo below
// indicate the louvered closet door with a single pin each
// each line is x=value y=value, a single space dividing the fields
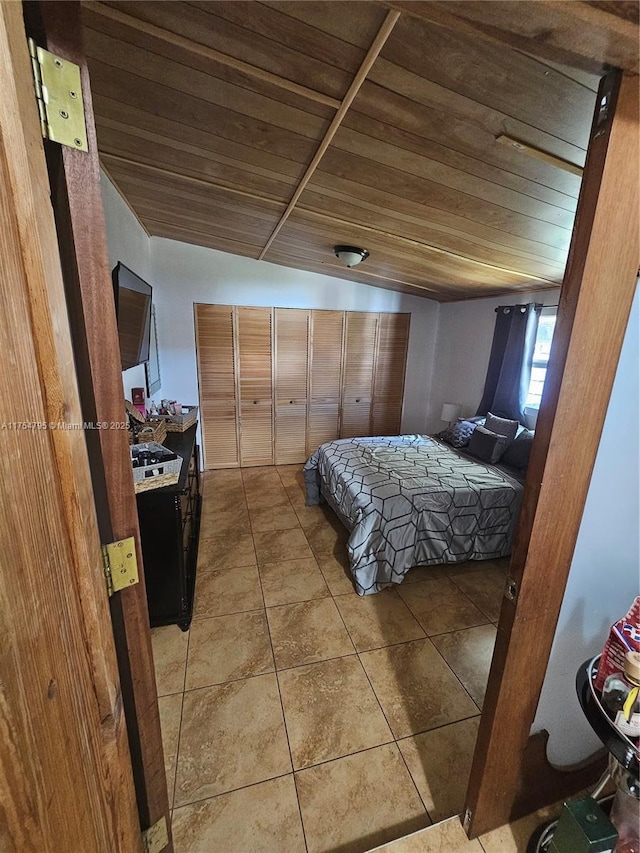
x=216 y=373
x=255 y=385
x=388 y=386
x=291 y=378
x=357 y=382
x=325 y=378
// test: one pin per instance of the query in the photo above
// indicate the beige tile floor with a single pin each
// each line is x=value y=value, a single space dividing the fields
x=298 y=716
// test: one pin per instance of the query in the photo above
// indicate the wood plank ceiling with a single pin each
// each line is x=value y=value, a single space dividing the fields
x=277 y=130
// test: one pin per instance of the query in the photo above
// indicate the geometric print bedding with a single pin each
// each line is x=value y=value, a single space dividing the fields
x=411 y=500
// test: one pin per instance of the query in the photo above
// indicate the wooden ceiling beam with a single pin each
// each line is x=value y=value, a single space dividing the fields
x=539 y=154
x=211 y=53
x=359 y=78
x=575 y=33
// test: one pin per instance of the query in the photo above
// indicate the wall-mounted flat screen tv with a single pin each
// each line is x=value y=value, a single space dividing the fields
x=133 y=310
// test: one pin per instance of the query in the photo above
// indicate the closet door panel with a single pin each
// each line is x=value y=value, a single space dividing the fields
x=388 y=387
x=323 y=424
x=356 y=419
x=291 y=424
x=256 y=433
x=291 y=375
x=327 y=329
x=255 y=385
x=291 y=353
x=357 y=373
x=325 y=378
x=215 y=339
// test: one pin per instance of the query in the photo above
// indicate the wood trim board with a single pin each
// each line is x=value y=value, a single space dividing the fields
x=210 y=53
x=77 y=199
x=65 y=767
x=595 y=302
x=372 y=54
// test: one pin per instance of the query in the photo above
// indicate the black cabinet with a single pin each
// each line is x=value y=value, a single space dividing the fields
x=169 y=526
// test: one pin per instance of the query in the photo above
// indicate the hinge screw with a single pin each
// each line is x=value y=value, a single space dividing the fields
x=78 y=142
x=57 y=63
x=73 y=95
x=64 y=114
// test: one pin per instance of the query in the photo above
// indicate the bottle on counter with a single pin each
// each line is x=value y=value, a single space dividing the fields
x=621 y=696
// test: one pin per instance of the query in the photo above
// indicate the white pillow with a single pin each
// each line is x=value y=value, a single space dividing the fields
x=502 y=426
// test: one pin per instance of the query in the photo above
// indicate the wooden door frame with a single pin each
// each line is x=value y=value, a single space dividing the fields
x=65 y=767
x=77 y=201
x=595 y=302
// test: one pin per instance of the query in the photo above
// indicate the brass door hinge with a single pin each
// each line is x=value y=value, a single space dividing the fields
x=120 y=564
x=59 y=96
x=156 y=837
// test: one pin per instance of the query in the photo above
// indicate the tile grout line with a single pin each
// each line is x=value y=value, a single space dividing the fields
x=413 y=734
x=448 y=665
x=394 y=645
x=457 y=630
x=366 y=674
x=286 y=732
x=175 y=769
x=376 y=695
x=454 y=630
x=395 y=739
x=420 y=797
x=457 y=677
x=182 y=695
x=284 y=716
x=263 y=610
x=184 y=681
x=466 y=594
x=231 y=791
x=333 y=596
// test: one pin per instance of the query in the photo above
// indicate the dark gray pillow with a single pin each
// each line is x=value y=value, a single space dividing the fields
x=486 y=445
x=518 y=453
x=502 y=426
x=458 y=434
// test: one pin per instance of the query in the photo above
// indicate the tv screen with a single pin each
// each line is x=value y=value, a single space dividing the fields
x=133 y=310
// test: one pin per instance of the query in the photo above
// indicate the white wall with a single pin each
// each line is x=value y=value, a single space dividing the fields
x=465 y=334
x=127 y=242
x=183 y=274
x=604 y=576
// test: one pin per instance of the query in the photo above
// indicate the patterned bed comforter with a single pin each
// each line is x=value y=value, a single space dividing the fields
x=411 y=500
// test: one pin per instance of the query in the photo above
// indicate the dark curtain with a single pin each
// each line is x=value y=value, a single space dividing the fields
x=509 y=371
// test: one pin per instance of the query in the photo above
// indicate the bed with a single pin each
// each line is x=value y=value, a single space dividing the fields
x=413 y=500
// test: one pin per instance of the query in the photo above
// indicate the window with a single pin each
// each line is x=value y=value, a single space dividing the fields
x=544 y=336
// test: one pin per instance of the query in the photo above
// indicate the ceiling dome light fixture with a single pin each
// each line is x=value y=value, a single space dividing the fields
x=350 y=255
